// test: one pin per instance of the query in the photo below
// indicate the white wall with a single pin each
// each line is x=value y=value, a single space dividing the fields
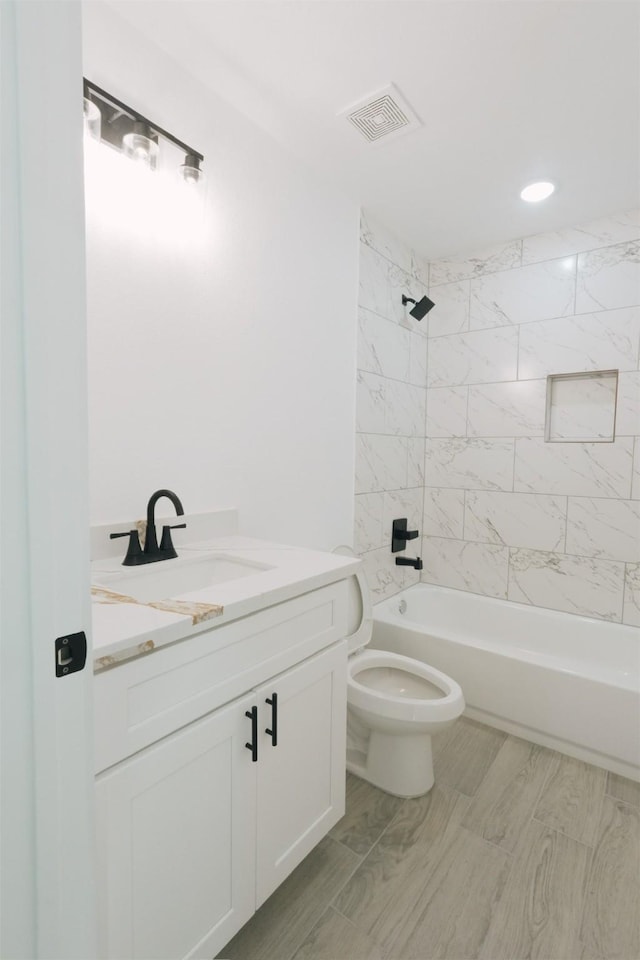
x=507 y=514
x=221 y=363
x=390 y=419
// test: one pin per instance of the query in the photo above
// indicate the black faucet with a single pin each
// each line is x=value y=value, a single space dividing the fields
x=409 y=562
x=152 y=553
x=166 y=549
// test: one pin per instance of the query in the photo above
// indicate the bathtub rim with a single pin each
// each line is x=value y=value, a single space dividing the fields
x=384 y=612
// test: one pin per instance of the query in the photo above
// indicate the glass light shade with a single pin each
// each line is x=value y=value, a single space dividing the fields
x=537 y=191
x=139 y=146
x=190 y=171
x=92 y=119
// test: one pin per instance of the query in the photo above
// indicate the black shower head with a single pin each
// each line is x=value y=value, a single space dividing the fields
x=421 y=307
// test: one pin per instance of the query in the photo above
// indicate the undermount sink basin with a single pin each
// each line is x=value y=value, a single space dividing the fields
x=169 y=579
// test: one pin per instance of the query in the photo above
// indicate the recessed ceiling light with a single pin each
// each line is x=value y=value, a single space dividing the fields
x=537 y=191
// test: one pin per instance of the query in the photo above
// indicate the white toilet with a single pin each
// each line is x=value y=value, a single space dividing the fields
x=394 y=706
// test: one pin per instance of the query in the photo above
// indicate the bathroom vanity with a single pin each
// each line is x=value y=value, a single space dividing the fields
x=220 y=737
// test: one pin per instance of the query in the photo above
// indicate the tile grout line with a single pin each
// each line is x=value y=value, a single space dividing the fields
x=473 y=795
x=397 y=814
x=362 y=861
x=389 y=260
x=464 y=515
x=490 y=843
x=330 y=902
x=550 y=774
x=530 y=263
x=356 y=927
x=626 y=803
x=625 y=583
x=515 y=546
x=308 y=934
x=561 y=833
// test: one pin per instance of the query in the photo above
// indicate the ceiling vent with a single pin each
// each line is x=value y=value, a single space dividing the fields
x=382 y=115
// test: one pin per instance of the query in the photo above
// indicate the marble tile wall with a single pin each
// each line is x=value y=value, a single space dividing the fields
x=390 y=404
x=505 y=513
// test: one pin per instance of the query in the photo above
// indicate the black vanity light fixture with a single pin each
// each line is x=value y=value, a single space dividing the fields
x=113 y=122
x=421 y=307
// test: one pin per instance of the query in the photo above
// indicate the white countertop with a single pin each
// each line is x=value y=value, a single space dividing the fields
x=124 y=628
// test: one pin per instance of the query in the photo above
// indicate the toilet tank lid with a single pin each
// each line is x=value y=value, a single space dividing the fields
x=359 y=604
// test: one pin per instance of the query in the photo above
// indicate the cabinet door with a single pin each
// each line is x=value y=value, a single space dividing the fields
x=301 y=780
x=176 y=842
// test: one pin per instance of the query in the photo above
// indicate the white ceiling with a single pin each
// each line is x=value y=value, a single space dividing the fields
x=509 y=91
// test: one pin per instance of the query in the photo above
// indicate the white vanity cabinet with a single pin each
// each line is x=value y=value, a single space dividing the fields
x=193 y=832
x=301 y=780
x=176 y=842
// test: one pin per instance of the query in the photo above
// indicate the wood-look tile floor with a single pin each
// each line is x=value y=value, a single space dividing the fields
x=517 y=852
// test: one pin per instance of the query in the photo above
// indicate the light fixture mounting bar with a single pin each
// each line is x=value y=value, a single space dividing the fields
x=90 y=88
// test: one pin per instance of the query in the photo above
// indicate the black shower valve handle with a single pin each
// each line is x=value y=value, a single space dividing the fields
x=400 y=535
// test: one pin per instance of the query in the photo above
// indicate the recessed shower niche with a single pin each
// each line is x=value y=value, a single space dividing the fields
x=581 y=407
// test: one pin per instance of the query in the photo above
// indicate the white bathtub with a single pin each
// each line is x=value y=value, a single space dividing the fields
x=567 y=682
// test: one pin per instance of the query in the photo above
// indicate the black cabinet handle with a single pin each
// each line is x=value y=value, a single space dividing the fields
x=273 y=732
x=253 y=746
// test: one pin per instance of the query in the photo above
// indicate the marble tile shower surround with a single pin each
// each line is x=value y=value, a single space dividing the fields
x=451 y=418
x=506 y=514
x=390 y=404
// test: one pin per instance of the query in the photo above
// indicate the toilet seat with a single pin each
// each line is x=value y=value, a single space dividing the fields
x=393 y=706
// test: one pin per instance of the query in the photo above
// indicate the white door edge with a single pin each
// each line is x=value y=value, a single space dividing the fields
x=48 y=810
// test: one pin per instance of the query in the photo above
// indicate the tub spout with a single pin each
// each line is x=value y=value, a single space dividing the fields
x=415 y=562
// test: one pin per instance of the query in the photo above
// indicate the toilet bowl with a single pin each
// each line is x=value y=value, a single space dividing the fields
x=394 y=706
